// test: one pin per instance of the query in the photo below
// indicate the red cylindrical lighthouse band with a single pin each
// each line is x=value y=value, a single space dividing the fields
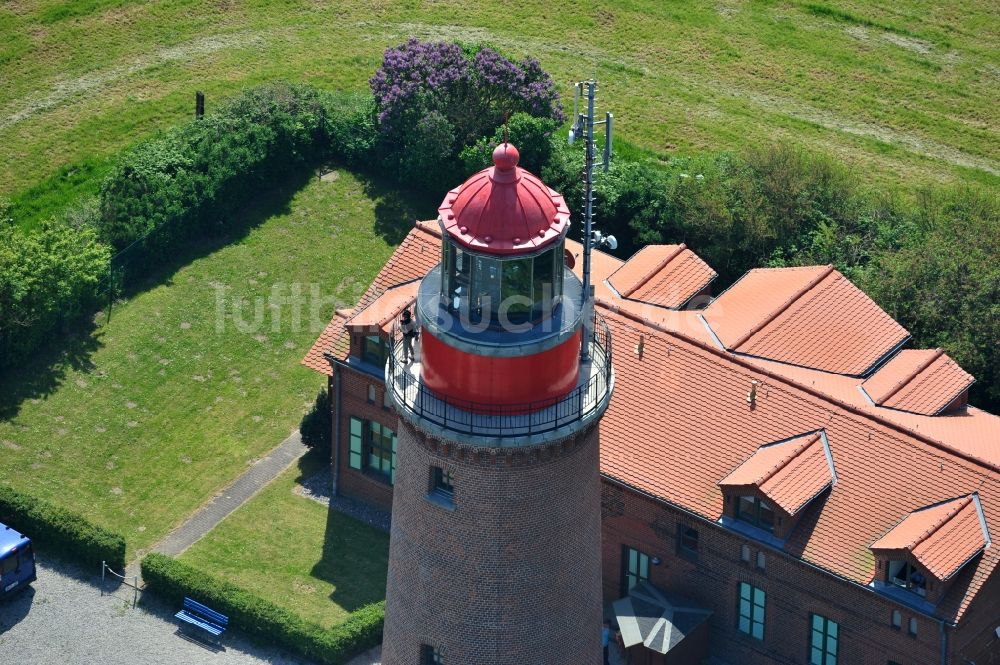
x=498 y=384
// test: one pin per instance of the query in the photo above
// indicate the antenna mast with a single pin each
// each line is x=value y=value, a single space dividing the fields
x=586 y=123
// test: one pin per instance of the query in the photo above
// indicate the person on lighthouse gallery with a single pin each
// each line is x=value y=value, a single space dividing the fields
x=409 y=329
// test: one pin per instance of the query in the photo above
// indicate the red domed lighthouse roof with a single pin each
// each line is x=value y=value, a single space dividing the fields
x=504 y=209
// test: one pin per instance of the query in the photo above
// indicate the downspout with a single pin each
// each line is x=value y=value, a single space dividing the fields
x=335 y=404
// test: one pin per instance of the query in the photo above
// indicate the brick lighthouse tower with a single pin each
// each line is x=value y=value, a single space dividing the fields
x=495 y=551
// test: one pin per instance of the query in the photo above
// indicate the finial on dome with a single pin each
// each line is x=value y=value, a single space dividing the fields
x=505 y=157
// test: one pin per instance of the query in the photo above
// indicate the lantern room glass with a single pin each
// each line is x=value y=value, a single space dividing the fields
x=517 y=290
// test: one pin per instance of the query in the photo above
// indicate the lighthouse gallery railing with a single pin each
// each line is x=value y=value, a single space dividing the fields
x=496 y=420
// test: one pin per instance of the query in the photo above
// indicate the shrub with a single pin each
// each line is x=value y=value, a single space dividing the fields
x=193 y=178
x=61 y=531
x=49 y=277
x=736 y=211
x=351 y=129
x=436 y=99
x=943 y=284
x=531 y=135
x=317 y=425
x=262 y=620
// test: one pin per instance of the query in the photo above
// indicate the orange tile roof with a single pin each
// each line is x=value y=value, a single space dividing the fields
x=789 y=473
x=971 y=432
x=943 y=537
x=812 y=317
x=382 y=311
x=679 y=421
x=663 y=275
x=920 y=381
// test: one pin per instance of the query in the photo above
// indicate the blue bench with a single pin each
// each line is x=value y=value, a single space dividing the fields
x=203 y=618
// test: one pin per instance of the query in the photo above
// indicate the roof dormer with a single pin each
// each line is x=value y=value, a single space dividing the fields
x=773 y=485
x=922 y=381
x=809 y=316
x=935 y=541
x=667 y=276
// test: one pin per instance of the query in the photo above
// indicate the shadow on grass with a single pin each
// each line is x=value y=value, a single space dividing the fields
x=46 y=370
x=396 y=209
x=42 y=373
x=275 y=201
x=355 y=558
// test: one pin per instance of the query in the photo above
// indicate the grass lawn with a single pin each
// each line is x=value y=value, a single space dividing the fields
x=904 y=91
x=296 y=553
x=139 y=423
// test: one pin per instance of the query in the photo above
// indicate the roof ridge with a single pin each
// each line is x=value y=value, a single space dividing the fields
x=920 y=367
x=788 y=460
x=950 y=515
x=828 y=269
x=649 y=274
x=868 y=416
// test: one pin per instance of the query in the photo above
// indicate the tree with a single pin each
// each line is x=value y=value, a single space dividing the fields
x=316 y=427
x=944 y=284
x=435 y=99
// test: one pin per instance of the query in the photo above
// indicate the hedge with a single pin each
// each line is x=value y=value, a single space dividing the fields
x=262 y=620
x=61 y=531
x=193 y=178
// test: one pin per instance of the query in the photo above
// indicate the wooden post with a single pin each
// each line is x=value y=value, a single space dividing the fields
x=199 y=105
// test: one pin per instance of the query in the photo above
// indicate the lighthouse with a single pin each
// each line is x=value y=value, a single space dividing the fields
x=495 y=548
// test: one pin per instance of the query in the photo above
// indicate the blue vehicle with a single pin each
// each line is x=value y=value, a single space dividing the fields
x=17 y=561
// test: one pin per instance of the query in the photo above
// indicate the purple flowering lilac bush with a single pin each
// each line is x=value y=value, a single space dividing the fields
x=434 y=99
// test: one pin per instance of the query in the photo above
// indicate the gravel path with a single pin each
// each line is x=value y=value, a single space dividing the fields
x=62 y=618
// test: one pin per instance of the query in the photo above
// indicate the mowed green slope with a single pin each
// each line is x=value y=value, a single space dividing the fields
x=907 y=92
x=193 y=379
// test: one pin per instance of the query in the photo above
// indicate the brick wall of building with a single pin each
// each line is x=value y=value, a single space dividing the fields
x=354 y=400
x=510 y=573
x=793 y=590
x=975 y=640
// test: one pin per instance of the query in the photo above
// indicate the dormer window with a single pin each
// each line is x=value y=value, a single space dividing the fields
x=374 y=350
x=751 y=509
x=904 y=574
x=929 y=546
x=772 y=486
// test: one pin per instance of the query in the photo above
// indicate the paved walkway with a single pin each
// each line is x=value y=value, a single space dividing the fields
x=239 y=492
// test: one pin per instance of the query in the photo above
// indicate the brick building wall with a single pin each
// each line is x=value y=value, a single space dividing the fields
x=362 y=395
x=793 y=590
x=975 y=640
x=519 y=547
